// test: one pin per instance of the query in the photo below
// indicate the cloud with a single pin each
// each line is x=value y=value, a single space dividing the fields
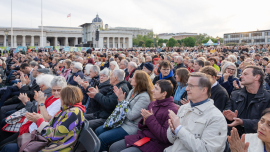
x=212 y=17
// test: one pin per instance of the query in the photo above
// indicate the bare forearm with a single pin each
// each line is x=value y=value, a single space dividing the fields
x=44 y=113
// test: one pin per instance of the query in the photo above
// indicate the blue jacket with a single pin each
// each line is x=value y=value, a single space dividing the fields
x=228 y=85
x=71 y=81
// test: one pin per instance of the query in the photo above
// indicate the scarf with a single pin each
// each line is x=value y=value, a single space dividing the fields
x=129 y=75
x=25 y=128
x=168 y=76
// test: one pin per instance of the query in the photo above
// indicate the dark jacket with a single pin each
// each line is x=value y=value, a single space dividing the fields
x=155 y=127
x=220 y=97
x=30 y=90
x=178 y=66
x=126 y=72
x=106 y=65
x=238 y=101
x=71 y=81
x=173 y=81
x=141 y=66
x=92 y=83
x=109 y=101
x=228 y=85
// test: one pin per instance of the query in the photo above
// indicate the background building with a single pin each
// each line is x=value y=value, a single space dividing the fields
x=177 y=36
x=249 y=38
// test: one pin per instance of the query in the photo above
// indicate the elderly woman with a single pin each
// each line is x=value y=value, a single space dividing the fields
x=87 y=68
x=259 y=142
x=138 y=98
x=76 y=71
x=60 y=130
x=48 y=108
x=67 y=70
x=113 y=66
x=229 y=74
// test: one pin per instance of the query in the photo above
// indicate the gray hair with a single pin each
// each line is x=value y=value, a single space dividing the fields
x=119 y=74
x=59 y=81
x=233 y=57
x=33 y=63
x=44 y=79
x=87 y=68
x=115 y=64
x=125 y=62
x=111 y=59
x=78 y=66
x=225 y=66
x=133 y=64
x=105 y=71
x=142 y=58
x=96 y=69
x=136 y=60
x=149 y=56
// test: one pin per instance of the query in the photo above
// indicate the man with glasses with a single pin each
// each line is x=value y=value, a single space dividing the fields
x=166 y=72
x=198 y=125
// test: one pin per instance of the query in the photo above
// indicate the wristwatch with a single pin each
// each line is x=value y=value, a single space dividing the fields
x=42 y=104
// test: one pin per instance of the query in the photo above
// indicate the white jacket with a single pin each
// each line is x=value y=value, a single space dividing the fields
x=204 y=129
x=255 y=144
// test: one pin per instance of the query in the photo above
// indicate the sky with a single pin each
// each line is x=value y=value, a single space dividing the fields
x=163 y=16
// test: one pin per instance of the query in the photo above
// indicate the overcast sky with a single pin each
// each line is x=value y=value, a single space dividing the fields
x=163 y=16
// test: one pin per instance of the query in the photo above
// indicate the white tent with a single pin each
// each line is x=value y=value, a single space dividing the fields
x=210 y=42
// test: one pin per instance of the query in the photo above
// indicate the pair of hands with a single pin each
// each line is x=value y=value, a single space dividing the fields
x=80 y=81
x=33 y=117
x=24 y=80
x=236 y=144
x=236 y=86
x=232 y=116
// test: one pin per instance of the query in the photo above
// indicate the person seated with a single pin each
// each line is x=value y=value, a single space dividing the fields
x=247 y=104
x=229 y=73
x=198 y=125
x=67 y=69
x=148 y=68
x=154 y=123
x=166 y=73
x=47 y=108
x=63 y=122
x=76 y=71
x=218 y=93
x=106 y=101
x=256 y=142
x=138 y=98
x=182 y=75
x=213 y=63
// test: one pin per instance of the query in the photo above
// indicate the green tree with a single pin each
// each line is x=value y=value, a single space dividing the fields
x=171 y=42
x=141 y=42
x=199 y=38
x=179 y=41
x=148 y=42
x=135 y=42
x=165 y=41
x=189 y=41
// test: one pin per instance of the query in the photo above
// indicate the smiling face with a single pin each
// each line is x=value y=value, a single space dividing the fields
x=231 y=70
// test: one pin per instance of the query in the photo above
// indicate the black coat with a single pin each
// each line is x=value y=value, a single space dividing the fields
x=179 y=66
x=141 y=66
x=173 y=81
x=109 y=101
x=126 y=72
x=238 y=101
x=103 y=88
x=220 y=97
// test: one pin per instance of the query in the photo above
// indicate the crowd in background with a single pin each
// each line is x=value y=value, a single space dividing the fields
x=202 y=98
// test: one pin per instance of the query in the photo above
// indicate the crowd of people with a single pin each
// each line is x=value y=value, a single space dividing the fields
x=203 y=99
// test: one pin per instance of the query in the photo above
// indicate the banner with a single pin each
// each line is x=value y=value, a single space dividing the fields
x=21 y=48
x=67 y=49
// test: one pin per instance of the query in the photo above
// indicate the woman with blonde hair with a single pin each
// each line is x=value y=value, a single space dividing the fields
x=113 y=66
x=137 y=99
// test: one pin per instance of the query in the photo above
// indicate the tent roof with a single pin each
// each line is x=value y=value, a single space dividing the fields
x=210 y=41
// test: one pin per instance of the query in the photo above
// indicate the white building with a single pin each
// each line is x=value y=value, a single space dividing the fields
x=117 y=37
x=177 y=36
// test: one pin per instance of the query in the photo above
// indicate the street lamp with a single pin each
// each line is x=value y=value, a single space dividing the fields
x=6 y=33
x=154 y=36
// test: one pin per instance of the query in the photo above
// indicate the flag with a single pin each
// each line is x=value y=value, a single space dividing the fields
x=69 y=15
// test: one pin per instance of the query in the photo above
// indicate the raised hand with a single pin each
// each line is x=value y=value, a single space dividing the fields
x=24 y=98
x=230 y=115
x=41 y=97
x=119 y=93
x=236 y=144
x=146 y=113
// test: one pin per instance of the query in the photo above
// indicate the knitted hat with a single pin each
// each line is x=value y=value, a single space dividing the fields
x=149 y=66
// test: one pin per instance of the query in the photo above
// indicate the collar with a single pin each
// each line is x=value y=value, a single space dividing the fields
x=164 y=102
x=31 y=71
x=216 y=83
x=198 y=103
x=199 y=109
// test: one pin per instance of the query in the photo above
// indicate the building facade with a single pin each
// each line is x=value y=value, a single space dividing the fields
x=52 y=36
x=177 y=36
x=249 y=38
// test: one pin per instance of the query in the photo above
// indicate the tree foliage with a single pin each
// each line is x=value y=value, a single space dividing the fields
x=171 y=42
x=148 y=42
x=189 y=41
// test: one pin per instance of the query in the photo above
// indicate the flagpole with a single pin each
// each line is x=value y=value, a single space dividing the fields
x=70 y=19
x=11 y=29
x=41 y=27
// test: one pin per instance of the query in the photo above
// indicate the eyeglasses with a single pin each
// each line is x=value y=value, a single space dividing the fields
x=230 y=69
x=56 y=90
x=190 y=86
